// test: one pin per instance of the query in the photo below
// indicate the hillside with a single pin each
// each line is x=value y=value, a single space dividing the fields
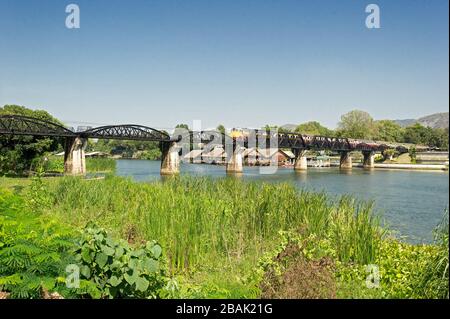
x=437 y=120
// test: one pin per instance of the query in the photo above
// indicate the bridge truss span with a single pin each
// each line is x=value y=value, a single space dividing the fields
x=74 y=162
x=126 y=132
x=24 y=125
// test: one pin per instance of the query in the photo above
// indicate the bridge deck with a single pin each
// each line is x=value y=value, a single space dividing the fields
x=23 y=125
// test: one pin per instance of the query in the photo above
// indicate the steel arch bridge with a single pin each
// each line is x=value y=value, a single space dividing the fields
x=294 y=141
x=127 y=132
x=75 y=142
x=24 y=125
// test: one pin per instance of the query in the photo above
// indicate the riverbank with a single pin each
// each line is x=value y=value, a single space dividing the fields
x=221 y=238
x=422 y=167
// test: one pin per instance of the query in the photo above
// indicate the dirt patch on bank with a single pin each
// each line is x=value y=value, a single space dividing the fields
x=294 y=277
x=4 y=295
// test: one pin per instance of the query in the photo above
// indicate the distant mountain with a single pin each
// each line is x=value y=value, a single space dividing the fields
x=405 y=123
x=437 y=120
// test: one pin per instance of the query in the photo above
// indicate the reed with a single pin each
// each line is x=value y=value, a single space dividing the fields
x=56 y=164
x=201 y=221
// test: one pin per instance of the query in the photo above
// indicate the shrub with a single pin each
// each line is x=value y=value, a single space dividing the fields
x=413 y=154
x=117 y=269
x=400 y=266
x=37 y=197
x=34 y=250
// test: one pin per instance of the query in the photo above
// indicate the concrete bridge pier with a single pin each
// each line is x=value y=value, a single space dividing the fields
x=170 y=162
x=301 y=163
x=74 y=156
x=369 y=159
x=234 y=164
x=346 y=160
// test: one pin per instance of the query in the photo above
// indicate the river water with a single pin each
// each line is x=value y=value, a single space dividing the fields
x=412 y=203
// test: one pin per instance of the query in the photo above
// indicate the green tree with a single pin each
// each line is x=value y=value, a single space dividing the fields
x=221 y=128
x=184 y=126
x=280 y=129
x=126 y=148
x=357 y=124
x=314 y=128
x=21 y=153
x=439 y=138
x=413 y=155
x=388 y=131
x=417 y=134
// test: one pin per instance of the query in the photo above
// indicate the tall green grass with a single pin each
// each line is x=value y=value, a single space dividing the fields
x=434 y=279
x=201 y=221
x=93 y=164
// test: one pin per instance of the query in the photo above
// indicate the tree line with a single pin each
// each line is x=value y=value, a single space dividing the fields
x=360 y=125
x=19 y=154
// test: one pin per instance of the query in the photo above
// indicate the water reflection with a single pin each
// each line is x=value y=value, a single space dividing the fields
x=301 y=176
x=346 y=171
x=235 y=175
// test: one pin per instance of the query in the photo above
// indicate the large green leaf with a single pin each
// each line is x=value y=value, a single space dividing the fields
x=101 y=259
x=133 y=263
x=108 y=250
x=142 y=284
x=119 y=252
x=114 y=281
x=99 y=237
x=85 y=254
x=85 y=271
x=151 y=265
x=131 y=279
x=156 y=251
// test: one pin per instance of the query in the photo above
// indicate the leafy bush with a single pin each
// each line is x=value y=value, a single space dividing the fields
x=401 y=267
x=19 y=153
x=413 y=154
x=118 y=270
x=54 y=164
x=153 y=154
x=34 y=249
x=37 y=197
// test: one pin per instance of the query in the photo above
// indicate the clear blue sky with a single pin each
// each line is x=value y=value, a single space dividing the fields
x=240 y=63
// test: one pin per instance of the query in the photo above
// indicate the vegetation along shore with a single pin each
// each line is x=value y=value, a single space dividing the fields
x=225 y=238
x=197 y=237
